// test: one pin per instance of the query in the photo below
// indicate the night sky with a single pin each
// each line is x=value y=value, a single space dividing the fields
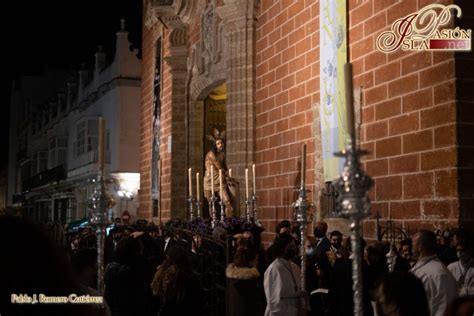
x=61 y=34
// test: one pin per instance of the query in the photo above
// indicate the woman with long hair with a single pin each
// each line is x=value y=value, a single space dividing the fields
x=174 y=285
x=245 y=291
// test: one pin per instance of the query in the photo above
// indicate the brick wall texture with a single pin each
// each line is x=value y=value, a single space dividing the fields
x=148 y=57
x=409 y=114
x=416 y=115
x=148 y=53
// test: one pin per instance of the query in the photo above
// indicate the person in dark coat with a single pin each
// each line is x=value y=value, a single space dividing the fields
x=404 y=258
x=340 y=289
x=317 y=277
x=245 y=290
x=282 y=227
x=323 y=244
x=377 y=268
x=402 y=293
x=253 y=233
x=176 y=288
x=127 y=280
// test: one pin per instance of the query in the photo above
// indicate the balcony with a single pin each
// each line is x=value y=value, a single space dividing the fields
x=43 y=178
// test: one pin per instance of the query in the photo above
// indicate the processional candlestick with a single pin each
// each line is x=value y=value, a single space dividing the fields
x=212 y=200
x=100 y=201
x=198 y=196
x=221 y=193
x=191 y=198
x=254 y=197
x=302 y=207
x=352 y=187
x=247 y=198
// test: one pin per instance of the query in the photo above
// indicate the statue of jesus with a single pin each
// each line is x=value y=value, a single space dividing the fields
x=216 y=157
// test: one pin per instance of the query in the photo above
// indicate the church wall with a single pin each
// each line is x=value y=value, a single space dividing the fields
x=408 y=117
x=148 y=51
x=166 y=141
x=146 y=123
x=173 y=132
x=407 y=114
x=287 y=89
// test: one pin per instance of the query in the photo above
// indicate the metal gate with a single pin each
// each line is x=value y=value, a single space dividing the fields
x=210 y=258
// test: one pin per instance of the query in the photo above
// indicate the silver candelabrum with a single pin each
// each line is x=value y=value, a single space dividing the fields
x=191 y=201
x=354 y=204
x=247 y=209
x=221 y=204
x=198 y=208
x=212 y=208
x=254 y=208
x=302 y=207
x=100 y=201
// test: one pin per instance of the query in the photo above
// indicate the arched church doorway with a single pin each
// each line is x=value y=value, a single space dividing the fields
x=214 y=118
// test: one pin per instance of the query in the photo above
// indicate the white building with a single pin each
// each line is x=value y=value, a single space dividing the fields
x=53 y=144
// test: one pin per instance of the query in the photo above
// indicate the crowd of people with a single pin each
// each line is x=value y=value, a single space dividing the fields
x=150 y=271
x=433 y=274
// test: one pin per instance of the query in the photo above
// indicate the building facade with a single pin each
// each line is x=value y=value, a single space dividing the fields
x=261 y=60
x=54 y=137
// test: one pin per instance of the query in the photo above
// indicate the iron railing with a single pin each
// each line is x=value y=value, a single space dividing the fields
x=328 y=201
x=210 y=259
x=55 y=174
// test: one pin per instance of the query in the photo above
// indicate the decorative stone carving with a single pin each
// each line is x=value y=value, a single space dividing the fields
x=178 y=37
x=195 y=61
x=173 y=22
x=211 y=37
x=175 y=14
x=150 y=16
x=185 y=9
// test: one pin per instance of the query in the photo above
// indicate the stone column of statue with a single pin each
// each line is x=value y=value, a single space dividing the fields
x=216 y=157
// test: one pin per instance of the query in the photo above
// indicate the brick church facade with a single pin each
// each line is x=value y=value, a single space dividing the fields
x=414 y=113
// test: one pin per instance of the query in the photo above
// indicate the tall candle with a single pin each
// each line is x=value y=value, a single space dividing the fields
x=253 y=180
x=230 y=173
x=212 y=179
x=101 y=144
x=349 y=99
x=190 y=177
x=220 y=184
x=197 y=187
x=247 y=183
x=303 y=164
